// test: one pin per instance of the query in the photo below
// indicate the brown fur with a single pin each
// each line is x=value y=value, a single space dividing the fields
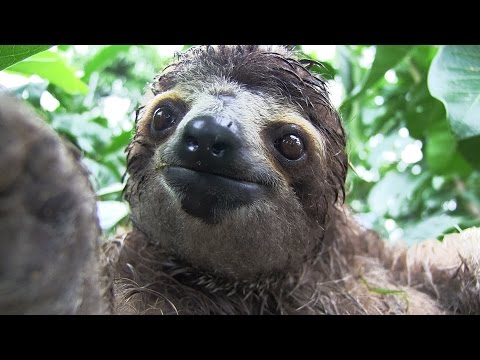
x=49 y=233
x=297 y=250
x=345 y=269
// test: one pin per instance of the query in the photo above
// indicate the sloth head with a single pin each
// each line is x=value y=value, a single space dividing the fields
x=237 y=161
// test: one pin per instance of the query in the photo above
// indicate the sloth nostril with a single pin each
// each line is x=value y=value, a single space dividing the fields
x=192 y=143
x=218 y=149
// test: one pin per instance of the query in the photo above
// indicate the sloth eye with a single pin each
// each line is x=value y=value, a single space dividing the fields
x=163 y=118
x=290 y=146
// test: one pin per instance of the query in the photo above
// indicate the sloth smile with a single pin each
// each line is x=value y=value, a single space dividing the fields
x=212 y=175
x=206 y=195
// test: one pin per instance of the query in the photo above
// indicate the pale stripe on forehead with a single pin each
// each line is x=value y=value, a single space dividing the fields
x=215 y=85
x=246 y=107
x=219 y=94
x=151 y=102
x=174 y=95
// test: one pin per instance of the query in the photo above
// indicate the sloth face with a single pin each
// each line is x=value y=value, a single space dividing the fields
x=236 y=161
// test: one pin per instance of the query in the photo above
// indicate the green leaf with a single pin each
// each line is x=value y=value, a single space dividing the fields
x=52 y=67
x=470 y=149
x=111 y=212
x=443 y=156
x=119 y=142
x=103 y=58
x=12 y=54
x=459 y=165
x=386 y=58
x=101 y=175
x=390 y=143
x=392 y=193
x=422 y=110
x=442 y=152
x=454 y=78
x=430 y=228
x=440 y=148
x=326 y=70
x=90 y=136
x=345 y=67
x=64 y=47
x=379 y=290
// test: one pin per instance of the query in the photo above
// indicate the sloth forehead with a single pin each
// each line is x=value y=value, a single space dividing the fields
x=226 y=98
x=197 y=90
x=253 y=112
x=269 y=70
x=263 y=81
x=224 y=93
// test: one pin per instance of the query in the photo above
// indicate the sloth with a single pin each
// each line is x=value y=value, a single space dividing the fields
x=236 y=184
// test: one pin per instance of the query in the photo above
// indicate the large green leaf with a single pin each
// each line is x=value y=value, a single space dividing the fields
x=88 y=134
x=422 y=110
x=444 y=158
x=430 y=228
x=118 y=142
x=442 y=152
x=103 y=58
x=345 y=67
x=470 y=149
x=454 y=78
x=101 y=174
x=386 y=58
x=440 y=148
x=52 y=67
x=391 y=195
x=12 y=54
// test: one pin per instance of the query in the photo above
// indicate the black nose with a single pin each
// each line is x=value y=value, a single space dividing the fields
x=209 y=143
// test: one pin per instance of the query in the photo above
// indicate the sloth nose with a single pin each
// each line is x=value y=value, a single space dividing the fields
x=209 y=143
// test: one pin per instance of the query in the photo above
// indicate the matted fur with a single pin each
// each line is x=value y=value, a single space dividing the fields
x=49 y=232
x=348 y=270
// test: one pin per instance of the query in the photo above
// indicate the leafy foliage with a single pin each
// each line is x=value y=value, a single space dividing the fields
x=414 y=165
x=93 y=110
x=11 y=54
x=412 y=179
x=53 y=67
x=454 y=78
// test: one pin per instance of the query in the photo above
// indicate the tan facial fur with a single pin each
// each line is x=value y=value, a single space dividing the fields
x=235 y=245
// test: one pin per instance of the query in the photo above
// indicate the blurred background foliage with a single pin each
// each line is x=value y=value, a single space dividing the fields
x=412 y=114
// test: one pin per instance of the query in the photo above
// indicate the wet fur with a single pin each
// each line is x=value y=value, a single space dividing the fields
x=346 y=269
x=49 y=233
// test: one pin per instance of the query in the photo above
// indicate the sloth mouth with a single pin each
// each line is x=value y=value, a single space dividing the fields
x=209 y=196
x=212 y=173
